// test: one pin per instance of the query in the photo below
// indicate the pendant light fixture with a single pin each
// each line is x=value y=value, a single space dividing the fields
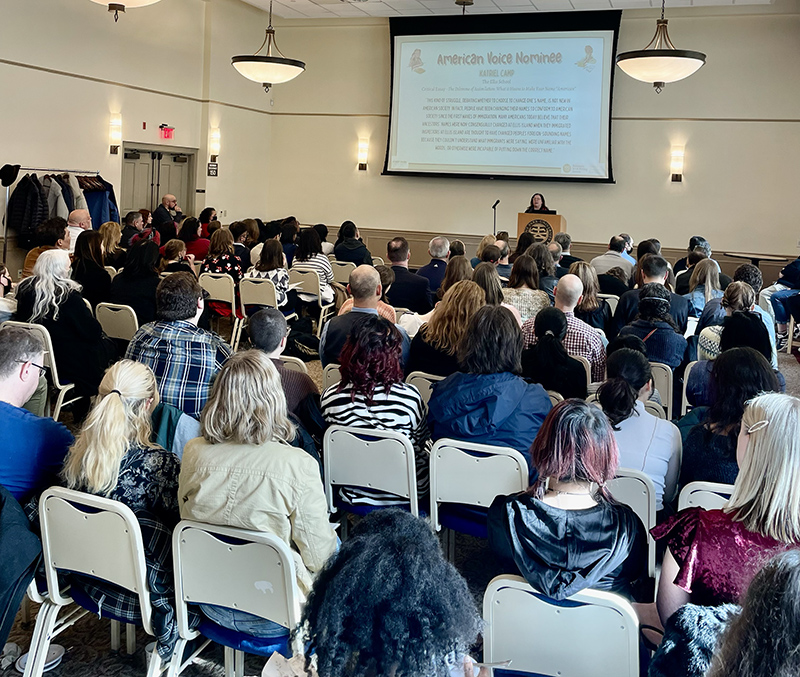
x=660 y=62
x=118 y=7
x=268 y=69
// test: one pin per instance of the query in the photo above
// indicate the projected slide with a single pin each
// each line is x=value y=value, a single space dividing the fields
x=513 y=104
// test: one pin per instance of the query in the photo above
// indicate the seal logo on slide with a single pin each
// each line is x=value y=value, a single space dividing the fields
x=415 y=62
x=541 y=231
x=588 y=61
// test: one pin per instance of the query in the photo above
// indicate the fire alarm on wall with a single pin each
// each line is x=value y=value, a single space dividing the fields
x=166 y=132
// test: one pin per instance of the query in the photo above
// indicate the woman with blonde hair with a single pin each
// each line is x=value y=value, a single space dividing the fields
x=243 y=472
x=703 y=286
x=112 y=235
x=523 y=290
x=485 y=242
x=433 y=349
x=114 y=457
x=712 y=555
x=738 y=296
x=175 y=259
x=593 y=310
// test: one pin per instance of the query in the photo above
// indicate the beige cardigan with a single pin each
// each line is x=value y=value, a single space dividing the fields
x=272 y=487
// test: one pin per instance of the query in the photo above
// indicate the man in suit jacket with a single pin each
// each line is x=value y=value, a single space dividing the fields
x=654 y=269
x=408 y=290
x=439 y=251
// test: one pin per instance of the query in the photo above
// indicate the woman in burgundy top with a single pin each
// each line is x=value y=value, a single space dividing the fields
x=713 y=555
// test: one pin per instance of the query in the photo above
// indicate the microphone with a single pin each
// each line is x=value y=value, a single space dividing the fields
x=495 y=204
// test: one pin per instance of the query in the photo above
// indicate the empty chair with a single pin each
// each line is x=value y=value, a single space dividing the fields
x=342 y=270
x=118 y=321
x=707 y=495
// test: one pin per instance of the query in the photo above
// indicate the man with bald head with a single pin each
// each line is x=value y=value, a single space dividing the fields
x=365 y=288
x=78 y=221
x=164 y=217
x=581 y=339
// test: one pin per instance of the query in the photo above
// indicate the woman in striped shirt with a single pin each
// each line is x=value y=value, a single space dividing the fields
x=309 y=257
x=372 y=395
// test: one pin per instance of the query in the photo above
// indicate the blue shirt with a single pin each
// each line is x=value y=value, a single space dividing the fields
x=32 y=451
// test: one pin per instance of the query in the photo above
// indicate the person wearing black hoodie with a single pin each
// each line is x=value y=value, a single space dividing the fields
x=350 y=247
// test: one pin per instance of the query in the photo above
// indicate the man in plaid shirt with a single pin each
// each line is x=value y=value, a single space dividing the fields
x=183 y=357
x=581 y=339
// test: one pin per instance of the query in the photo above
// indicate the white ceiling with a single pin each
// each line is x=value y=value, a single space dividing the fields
x=322 y=9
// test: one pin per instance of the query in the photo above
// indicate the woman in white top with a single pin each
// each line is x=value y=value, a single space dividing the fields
x=737 y=296
x=646 y=442
x=523 y=289
x=309 y=256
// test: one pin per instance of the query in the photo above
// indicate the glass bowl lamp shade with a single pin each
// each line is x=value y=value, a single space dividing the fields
x=122 y=5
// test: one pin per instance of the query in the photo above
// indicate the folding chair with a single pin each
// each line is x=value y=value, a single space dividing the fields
x=330 y=376
x=685 y=406
x=538 y=634
x=256 y=291
x=706 y=495
x=555 y=397
x=95 y=537
x=662 y=376
x=377 y=261
x=221 y=287
x=423 y=382
x=111 y=271
x=655 y=409
x=294 y=364
x=309 y=283
x=342 y=270
x=118 y=321
x=587 y=367
x=611 y=299
x=248 y=571
x=636 y=490
x=43 y=335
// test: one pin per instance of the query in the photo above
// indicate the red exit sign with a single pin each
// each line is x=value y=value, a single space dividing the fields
x=166 y=132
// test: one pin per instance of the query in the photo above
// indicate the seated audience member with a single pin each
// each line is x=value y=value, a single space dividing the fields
x=149 y=233
x=592 y=310
x=168 y=213
x=457 y=269
x=372 y=395
x=183 y=357
x=555 y=251
x=270 y=231
x=271 y=266
x=701 y=252
x=486 y=277
x=547 y=361
x=627 y=253
x=646 y=442
x=523 y=290
x=8 y=305
x=613 y=258
x=136 y=284
x=694 y=242
x=78 y=221
x=241 y=235
x=457 y=248
x=613 y=282
x=114 y=458
x=703 y=286
x=366 y=290
x=788 y=281
x=268 y=332
x=384 y=309
x=206 y=216
x=88 y=268
x=546 y=267
x=565 y=241
x=388 y=603
x=52 y=299
x=738 y=297
x=652 y=269
x=755 y=644
x=524 y=242
x=351 y=248
x=409 y=290
x=243 y=472
x=195 y=245
x=581 y=340
x=634 y=343
x=709 y=450
x=50 y=234
x=486 y=241
x=503 y=266
x=433 y=349
x=175 y=259
x=32 y=448
x=134 y=225
x=113 y=254
x=562 y=534
x=655 y=326
x=290 y=229
x=222 y=260
x=486 y=401
x=781 y=301
x=439 y=251
x=322 y=231
x=491 y=254
x=308 y=257
x=712 y=555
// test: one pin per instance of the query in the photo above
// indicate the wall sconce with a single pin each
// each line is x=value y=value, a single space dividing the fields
x=115 y=133
x=363 y=152
x=214 y=138
x=676 y=163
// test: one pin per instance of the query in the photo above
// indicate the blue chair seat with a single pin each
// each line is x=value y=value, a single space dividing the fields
x=82 y=599
x=239 y=641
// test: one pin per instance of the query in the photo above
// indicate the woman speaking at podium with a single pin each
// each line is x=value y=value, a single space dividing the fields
x=538 y=206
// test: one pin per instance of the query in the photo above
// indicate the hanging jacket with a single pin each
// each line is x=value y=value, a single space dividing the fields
x=26 y=209
x=77 y=193
x=66 y=191
x=56 y=206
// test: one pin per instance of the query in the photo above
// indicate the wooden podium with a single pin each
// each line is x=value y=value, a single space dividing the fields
x=543 y=226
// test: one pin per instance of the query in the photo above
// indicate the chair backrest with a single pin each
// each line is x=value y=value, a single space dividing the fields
x=399 y=312
x=293 y=364
x=111 y=271
x=118 y=321
x=257 y=291
x=342 y=270
x=587 y=367
x=611 y=299
x=220 y=287
x=248 y=571
x=43 y=335
x=635 y=489
x=308 y=281
x=655 y=409
x=369 y=458
x=592 y=633
x=684 y=400
x=94 y=536
x=600 y=332
x=423 y=382
x=378 y=261
x=330 y=376
x=662 y=377
x=331 y=257
x=707 y=495
x=555 y=397
x=473 y=474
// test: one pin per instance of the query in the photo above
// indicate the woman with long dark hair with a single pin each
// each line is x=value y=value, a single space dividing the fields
x=566 y=533
x=136 y=285
x=523 y=290
x=190 y=233
x=524 y=242
x=537 y=205
x=309 y=257
x=272 y=266
x=88 y=267
x=546 y=267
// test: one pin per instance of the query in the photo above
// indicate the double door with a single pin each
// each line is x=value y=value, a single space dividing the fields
x=148 y=174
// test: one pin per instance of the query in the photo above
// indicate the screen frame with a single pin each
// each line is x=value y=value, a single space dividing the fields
x=528 y=22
